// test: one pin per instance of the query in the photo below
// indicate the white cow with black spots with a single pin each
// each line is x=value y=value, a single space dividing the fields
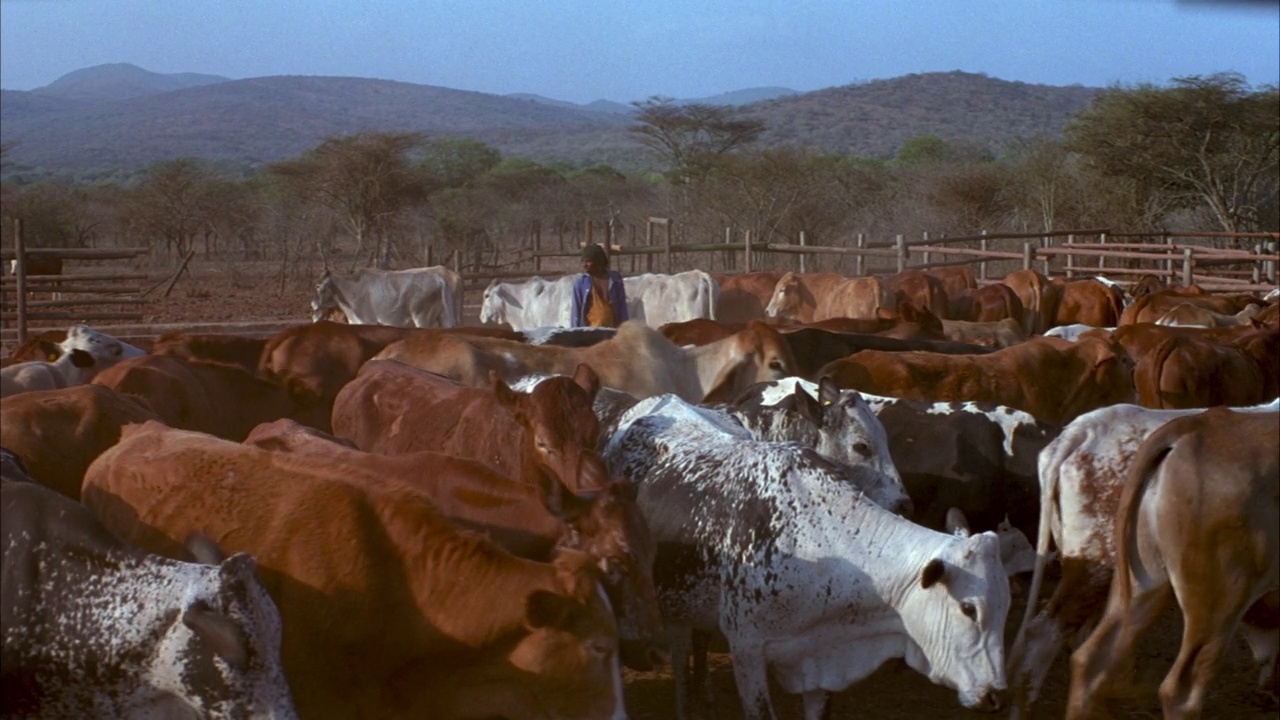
x=771 y=544
x=95 y=628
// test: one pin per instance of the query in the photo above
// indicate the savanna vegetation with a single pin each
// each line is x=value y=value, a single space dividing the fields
x=1200 y=153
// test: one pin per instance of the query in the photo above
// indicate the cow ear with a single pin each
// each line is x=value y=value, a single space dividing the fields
x=956 y=523
x=218 y=631
x=586 y=378
x=545 y=609
x=932 y=573
x=808 y=406
x=204 y=550
x=508 y=397
x=81 y=359
x=828 y=391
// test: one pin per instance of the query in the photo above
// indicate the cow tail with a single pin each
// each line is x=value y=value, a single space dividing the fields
x=1144 y=467
x=1153 y=365
x=1049 y=465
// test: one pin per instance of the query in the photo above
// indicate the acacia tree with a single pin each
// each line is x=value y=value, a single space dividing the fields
x=365 y=179
x=1207 y=143
x=691 y=138
x=175 y=201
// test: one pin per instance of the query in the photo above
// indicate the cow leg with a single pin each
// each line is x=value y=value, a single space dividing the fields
x=678 y=638
x=750 y=670
x=1203 y=640
x=700 y=677
x=1261 y=629
x=1106 y=658
x=817 y=705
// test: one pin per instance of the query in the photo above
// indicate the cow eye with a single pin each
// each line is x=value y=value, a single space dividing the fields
x=862 y=449
x=775 y=365
x=969 y=610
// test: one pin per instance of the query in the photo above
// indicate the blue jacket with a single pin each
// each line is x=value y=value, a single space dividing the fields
x=582 y=292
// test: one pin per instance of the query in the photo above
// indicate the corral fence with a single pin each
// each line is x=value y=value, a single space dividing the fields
x=1216 y=261
x=96 y=295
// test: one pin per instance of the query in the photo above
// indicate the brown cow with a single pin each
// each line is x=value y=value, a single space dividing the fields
x=1088 y=302
x=637 y=360
x=379 y=595
x=1213 y=482
x=955 y=280
x=814 y=347
x=744 y=297
x=314 y=361
x=1142 y=338
x=1263 y=347
x=1150 y=308
x=392 y=408
x=797 y=295
x=1053 y=379
x=921 y=289
x=242 y=352
x=218 y=399
x=1039 y=299
x=858 y=297
x=531 y=522
x=989 y=303
x=58 y=433
x=1187 y=372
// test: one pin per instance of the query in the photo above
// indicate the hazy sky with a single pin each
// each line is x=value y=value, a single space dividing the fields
x=583 y=50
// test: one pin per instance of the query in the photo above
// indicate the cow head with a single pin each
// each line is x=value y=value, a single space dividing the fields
x=787 y=299
x=609 y=526
x=955 y=615
x=562 y=432
x=325 y=298
x=493 y=308
x=756 y=354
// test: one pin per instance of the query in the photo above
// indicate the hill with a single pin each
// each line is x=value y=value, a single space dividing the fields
x=123 y=118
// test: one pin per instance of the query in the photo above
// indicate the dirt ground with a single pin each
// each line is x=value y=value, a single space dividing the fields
x=245 y=294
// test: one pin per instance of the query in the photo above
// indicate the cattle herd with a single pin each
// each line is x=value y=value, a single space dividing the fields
x=401 y=516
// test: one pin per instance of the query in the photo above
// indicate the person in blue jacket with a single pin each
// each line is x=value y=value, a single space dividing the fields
x=599 y=298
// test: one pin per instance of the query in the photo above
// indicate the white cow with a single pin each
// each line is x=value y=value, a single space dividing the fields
x=535 y=303
x=657 y=299
x=421 y=297
x=1082 y=473
x=84 y=353
x=805 y=576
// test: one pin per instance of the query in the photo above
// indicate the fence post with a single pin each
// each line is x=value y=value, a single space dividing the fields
x=746 y=251
x=858 y=266
x=1188 y=264
x=668 y=246
x=982 y=266
x=1168 y=251
x=801 y=254
x=20 y=252
x=1047 y=241
x=902 y=253
x=1102 y=259
x=537 y=250
x=1257 y=265
x=925 y=259
x=1271 y=264
x=587 y=227
x=1028 y=255
x=1071 y=240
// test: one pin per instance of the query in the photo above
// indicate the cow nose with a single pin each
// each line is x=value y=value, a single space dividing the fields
x=992 y=700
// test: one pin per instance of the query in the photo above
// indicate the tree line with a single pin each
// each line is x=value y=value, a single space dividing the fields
x=1198 y=154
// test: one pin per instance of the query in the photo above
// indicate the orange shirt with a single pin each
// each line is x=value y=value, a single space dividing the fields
x=600 y=311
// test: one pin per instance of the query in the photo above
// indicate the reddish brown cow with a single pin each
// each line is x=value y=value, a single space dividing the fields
x=1088 y=302
x=1039 y=299
x=858 y=297
x=379 y=595
x=531 y=522
x=218 y=399
x=989 y=303
x=921 y=290
x=744 y=297
x=1186 y=372
x=1142 y=338
x=58 y=433
x=241 y=352
x=314 y=361
x=35 y=347
x=393 y=409
x=1053 y=379
x=955 y=280
x=1263 y=347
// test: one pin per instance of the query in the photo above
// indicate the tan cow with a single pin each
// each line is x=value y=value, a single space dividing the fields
x=858 y=297
x=1193 y=316
x=1088 y=302
x=1000 y=334
x=637 y=360
x=797 y=295
x=1039 y=299
x=1053 y=379
x=744 y=297
x=1199 y=521
x=381 y=598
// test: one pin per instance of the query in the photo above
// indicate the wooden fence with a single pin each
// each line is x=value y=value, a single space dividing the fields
x=95 y=295
x=1177 y=257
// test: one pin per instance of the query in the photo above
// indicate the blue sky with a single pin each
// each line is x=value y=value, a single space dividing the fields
x=629 y=50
